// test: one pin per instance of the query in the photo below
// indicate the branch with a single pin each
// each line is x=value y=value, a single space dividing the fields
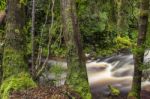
x=49 y=42
x=40 y=49
x=33 y=34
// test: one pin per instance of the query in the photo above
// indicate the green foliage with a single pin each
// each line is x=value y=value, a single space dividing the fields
x=17 y=62
x=15 y=83
x=57 y=70
x=114 y=91
x=77 y=76
x=144 y=13
x=122 y=42
x=98 y=26
x=82 y=87
x=106 y=52
x=23 y=2
x=2 y=4
x=103 y=20
x=58 y=51
x=132 y=95
x=138 y=50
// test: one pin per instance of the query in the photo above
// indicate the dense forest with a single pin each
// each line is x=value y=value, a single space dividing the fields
x=74 y=49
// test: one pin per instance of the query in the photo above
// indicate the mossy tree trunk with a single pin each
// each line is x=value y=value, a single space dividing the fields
x=122 y=24
x=15 y=69
x=1 y=56
x=15 y=43
x=77 y=74
x=140 y=49
x=113 y=9
x=2 y=25
x=2 y=17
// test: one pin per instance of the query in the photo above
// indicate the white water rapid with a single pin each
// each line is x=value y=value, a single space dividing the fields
x=116 y=70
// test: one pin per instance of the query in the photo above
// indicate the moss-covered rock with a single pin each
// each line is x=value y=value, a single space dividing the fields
x=16 y=82
x=114 y=91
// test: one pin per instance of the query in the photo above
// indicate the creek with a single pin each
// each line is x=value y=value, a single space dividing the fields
x=116 y=70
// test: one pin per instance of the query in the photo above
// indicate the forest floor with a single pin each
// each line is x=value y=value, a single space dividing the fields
x=61 y=93
x=42 y=92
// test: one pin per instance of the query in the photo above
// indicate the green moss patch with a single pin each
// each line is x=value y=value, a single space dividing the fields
x=123 y=42
x=132 y=95
x=114 y=91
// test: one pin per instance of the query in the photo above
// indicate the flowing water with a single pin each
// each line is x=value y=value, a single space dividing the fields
x=116 y=70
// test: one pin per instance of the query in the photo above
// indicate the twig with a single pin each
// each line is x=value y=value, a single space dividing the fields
x=39 y=58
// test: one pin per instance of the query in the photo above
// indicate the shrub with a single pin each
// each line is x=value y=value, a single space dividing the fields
x=16 y=83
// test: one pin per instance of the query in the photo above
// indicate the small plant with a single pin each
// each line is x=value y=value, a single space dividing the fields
x=2 y=4
x=114 y=91
x=122 y=42
x=57 y=70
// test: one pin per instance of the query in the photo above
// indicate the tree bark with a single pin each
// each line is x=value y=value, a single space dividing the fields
x=2 y=25
x=77 y=74
x=139 y=55
x=122 y=24
x=15 y=69
x=15 y=43
x=2 y=17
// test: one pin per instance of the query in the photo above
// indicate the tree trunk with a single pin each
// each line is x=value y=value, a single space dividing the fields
x=1 y=56
x=15 y=70
x=77 y=74
x=15 y=43
x=2 y=25
x=2 y=17
x=122 y=24
x=139 y=55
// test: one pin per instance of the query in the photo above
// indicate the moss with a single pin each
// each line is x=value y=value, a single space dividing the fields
x=17 y=31
x=23 y=2
x=78 y=82
x=81 y=86
x=136 y=50
x=132 y=95
x=77 y=76
x=57 y=69
x=16 y=83
x=114 y=91
x=123 y=42
x=13 y=62
x=144 y=12
x=2 y=5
